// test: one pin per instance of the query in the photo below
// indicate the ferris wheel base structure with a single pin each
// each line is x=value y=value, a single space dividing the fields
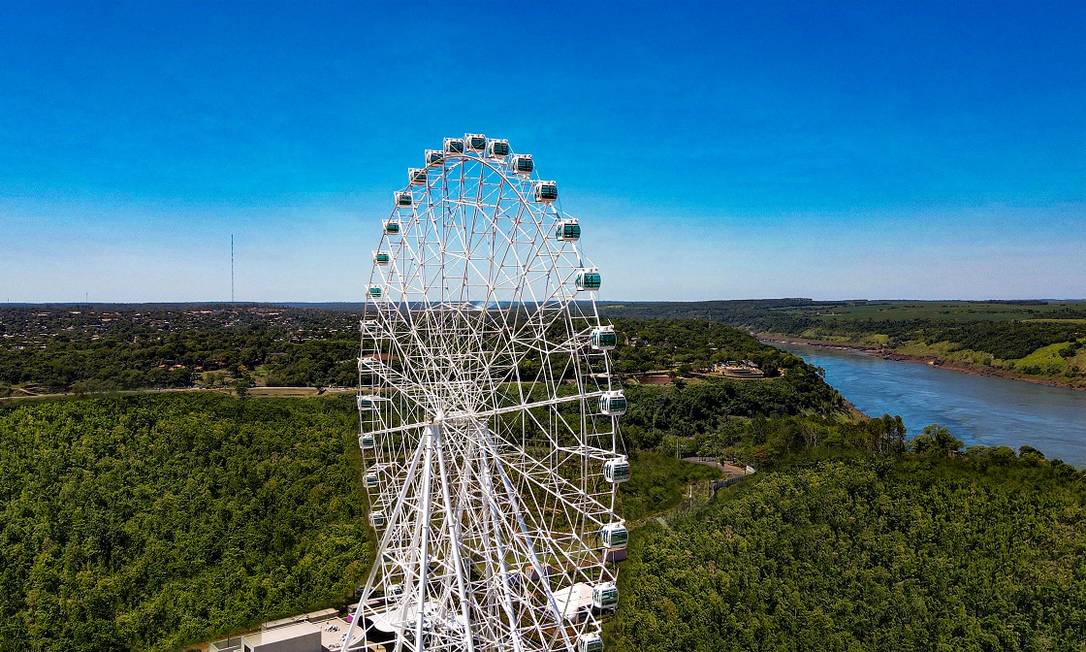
x=489 y=423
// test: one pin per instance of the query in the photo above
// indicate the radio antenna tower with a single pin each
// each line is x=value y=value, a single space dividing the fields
x=231 y=268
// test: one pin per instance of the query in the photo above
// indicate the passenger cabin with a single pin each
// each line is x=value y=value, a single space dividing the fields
x=475 y=142
x=381 y=257
x=614 y=535
x=589 y=278
x=523 y=164
x=374 y=292
x=605 y=595
x=377 y=519
x=392 y=227
x=371 y=480
x=366 y=441
x=546 y=191
x=613 y=403
x=434 y=156
x=590 y=643
x=497 y=148
x=616 y=470
x=604 y=338
x=416 y=176
x=403 y=198
x=454 y=146
x=568 y=230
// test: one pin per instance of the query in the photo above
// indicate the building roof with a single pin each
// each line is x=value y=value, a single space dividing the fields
x=573 y=599
x=277 y=634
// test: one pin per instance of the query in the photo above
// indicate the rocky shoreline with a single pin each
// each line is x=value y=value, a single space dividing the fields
x=934 y=361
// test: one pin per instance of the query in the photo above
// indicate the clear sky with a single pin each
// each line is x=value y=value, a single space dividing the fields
x=716 y=150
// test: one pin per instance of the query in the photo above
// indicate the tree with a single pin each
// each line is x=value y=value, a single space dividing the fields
x=242 y=385
x=936 y=439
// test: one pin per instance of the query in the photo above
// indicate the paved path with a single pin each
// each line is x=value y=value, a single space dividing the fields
x=729 y=469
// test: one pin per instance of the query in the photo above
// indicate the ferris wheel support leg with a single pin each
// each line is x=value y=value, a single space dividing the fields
x=454 y=542
x=515 y=500
x=381 y=546
x=499 y=549
x=432 y=431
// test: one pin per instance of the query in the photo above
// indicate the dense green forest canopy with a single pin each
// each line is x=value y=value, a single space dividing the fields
x=849 y=537
x=147 y=522
x=690 y=345
x=985 y=552
x=102 y=348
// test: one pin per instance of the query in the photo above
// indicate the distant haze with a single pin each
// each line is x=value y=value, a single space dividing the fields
x=932 y=150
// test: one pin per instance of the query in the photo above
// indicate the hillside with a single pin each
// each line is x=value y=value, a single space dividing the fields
x=868 y=554
x=1043 y=341
x=150 y=522
x=97 y=348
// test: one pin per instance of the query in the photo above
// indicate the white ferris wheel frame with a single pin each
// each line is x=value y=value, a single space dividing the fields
x=489 y=421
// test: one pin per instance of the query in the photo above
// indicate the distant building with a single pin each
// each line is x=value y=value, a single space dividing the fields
x=656 y=377
x=738 y=369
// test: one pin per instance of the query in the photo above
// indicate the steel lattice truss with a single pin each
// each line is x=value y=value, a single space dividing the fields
x=488 y=418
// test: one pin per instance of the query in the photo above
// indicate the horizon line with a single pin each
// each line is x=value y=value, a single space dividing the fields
x=292 y=303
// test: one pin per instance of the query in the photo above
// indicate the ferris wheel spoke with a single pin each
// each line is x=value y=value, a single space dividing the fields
x=558 y=400
x=527 y=465
x=522 y=516
x=453 y=533
x=504 y=578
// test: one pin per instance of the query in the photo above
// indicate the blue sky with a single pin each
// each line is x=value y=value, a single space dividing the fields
x=716 y=150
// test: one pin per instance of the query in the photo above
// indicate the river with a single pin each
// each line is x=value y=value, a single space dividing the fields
x=977 y=409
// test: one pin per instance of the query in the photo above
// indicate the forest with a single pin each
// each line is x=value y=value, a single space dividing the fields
x=155 y=521
x=986 y=551
x=1038 y=339
x=149 y=522
x=105 y=348
x=851 y=537
x=108 y=348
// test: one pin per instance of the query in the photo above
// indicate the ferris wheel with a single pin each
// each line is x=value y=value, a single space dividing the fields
x=489 y=417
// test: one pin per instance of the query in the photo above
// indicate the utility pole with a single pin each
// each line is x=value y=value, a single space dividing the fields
x=231 y=268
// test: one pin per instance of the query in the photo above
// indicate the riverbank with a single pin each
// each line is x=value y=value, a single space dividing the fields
x=979 y=409
x=930 y=360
